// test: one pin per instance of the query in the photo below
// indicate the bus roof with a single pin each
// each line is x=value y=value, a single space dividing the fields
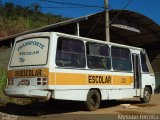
x=76 y=37
x=97 y=41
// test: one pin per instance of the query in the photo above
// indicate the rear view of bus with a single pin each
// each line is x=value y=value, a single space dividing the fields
x=28 y=67
x=66 y=67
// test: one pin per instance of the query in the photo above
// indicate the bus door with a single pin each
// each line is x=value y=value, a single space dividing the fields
x=136 y=73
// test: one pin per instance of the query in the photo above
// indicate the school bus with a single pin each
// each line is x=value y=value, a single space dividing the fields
x=54 y=65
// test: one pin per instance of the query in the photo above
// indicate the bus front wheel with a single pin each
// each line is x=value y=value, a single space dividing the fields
x=93 y=100
x=146 y=95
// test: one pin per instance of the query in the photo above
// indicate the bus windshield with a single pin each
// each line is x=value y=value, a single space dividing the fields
x=30 y=52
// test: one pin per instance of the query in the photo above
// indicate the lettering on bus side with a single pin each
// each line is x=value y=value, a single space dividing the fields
x=28 y=73
x=99 y=79
x=28 y=43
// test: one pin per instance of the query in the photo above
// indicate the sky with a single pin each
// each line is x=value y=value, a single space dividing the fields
x=149 y=8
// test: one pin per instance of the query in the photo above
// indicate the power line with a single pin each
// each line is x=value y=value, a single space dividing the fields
x=126 y=5
x=72 y=4
x=61 y=7
x=93 y=26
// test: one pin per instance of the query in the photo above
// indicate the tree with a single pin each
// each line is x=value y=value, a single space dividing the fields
x=36 y=10
x=16 y=18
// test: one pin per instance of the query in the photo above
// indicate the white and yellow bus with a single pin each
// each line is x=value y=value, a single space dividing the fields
x=66 y=67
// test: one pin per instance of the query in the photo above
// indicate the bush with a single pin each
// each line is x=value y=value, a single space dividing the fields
x=3 y=79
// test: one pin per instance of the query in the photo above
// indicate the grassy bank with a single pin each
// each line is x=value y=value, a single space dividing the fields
x=4 y=99
x=3 y=80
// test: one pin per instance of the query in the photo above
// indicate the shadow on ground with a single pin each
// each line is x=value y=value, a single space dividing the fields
x=54 y=107
x=114 y=103
x=39 y=108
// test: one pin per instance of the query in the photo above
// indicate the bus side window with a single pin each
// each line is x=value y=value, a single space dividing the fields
x=70 y=53
x=143 y=63
x=121 y=59
x=98 y=56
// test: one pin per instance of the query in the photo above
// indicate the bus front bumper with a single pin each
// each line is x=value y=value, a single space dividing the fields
x=35 y=93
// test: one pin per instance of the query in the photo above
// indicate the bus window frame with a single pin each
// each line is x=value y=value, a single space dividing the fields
x=30 y=65
x=67 y=67
x=108 y=57
x=145 y=57
x=128 y=71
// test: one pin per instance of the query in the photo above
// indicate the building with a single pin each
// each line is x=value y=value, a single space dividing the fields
x=128 y=28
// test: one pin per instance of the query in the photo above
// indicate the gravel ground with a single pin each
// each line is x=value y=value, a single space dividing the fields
x=63 y=110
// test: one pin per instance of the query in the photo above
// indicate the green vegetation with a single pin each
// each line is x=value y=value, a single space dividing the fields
x=15 y=18
x=4 y=99
x=3 y=80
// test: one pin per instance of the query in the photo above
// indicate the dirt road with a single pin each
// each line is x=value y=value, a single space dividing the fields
x=61 y=110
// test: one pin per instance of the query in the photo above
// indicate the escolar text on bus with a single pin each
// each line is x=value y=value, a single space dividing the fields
x=29 y=53
x=28 y=73
x=99 y=79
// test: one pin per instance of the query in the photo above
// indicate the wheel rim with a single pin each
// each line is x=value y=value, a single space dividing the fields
x=147 y=95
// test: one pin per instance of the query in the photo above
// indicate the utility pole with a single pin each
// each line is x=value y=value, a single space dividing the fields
x=107 y=21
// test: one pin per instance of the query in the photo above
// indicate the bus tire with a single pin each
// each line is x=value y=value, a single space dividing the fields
x=146 y=95
x=93 y=100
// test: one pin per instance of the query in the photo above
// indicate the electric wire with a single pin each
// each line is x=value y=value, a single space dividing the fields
x=93 y=26
x=115 y=17
x=72 y=4
x=55 y=7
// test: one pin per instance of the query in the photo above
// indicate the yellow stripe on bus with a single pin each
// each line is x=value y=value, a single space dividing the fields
x=22 y=73
x=51 y=79
x=122 y=80
x=90 y=79
x=72 y=78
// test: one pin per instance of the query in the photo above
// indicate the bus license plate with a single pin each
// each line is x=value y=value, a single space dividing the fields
x=24 y=82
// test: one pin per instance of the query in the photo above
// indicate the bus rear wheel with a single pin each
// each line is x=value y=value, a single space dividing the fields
x=93 y=100
x=146 y=95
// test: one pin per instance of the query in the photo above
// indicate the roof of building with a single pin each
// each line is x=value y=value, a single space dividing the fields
x=126 y=27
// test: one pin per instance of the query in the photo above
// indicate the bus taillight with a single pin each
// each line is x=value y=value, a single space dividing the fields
x=10 y=81
x=44 y=81
x=41 y=81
